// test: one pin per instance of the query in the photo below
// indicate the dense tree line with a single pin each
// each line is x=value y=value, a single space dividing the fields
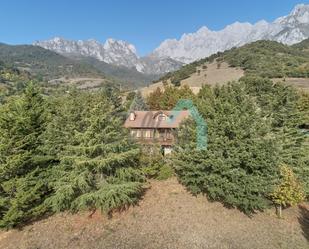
x=66 y=152
x=167 y=98
x=252 y=131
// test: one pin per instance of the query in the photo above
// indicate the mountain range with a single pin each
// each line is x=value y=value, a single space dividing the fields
x=115 y=52
x=289 y=30
x=173 y=53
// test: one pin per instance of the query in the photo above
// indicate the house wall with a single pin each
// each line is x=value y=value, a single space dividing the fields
x=163 y=137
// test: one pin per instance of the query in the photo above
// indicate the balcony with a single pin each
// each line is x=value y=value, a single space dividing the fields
x=153 y=136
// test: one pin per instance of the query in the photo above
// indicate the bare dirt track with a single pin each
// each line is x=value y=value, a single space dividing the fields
x=167 y=217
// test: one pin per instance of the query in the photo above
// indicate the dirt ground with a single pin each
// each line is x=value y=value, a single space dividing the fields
x=167 y=217
x=300 y=83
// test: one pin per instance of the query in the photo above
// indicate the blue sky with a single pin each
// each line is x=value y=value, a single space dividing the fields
x=144 y=23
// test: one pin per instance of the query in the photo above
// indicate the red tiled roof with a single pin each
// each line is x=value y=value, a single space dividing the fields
x=147 y=119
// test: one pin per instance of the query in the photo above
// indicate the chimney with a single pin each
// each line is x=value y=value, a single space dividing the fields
x=132 y=116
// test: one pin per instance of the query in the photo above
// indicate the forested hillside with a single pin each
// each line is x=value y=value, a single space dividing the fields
x=202 y=142
x=128 y=77
x=262 y=58
x=12 y=80
x=46 y=65
x=43 y=63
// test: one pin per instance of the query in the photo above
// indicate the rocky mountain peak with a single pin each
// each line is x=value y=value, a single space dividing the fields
x=112 y=51
x=114 y=45
x=299 y=15
x=288 y=29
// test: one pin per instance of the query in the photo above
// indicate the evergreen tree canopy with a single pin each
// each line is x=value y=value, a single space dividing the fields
x=239 y=166
x=138 y=103
x=23 y=168
x=98 y=169
x=252 y=129
x=68 y=114
x=281 y=105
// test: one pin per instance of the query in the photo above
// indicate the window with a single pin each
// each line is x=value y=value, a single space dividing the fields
x=147 y=133
x=138 y=133
x=161 y=117
x=157 y=134
x=132 y=116
x=169 y=134
x=133 y=133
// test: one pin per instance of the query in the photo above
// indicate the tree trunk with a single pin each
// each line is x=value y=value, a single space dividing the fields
x=92 y=212
x=279 y=211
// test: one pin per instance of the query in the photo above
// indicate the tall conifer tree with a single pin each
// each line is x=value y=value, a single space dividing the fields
x=98 y=169
x=23 y=168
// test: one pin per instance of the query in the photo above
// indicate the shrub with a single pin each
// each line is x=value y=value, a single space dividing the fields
x=165 y=172
x=154 y=165
x=289 y=192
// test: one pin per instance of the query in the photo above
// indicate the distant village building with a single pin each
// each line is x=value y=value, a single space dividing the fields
x=155 y=127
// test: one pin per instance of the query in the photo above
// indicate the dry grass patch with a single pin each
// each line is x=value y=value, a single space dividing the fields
x=167 y=217
x=208 y=74
x=301 y=83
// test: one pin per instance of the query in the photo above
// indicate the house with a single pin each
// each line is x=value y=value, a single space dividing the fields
x=155 y=127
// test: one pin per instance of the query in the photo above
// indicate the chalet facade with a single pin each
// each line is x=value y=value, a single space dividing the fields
x=155 y=127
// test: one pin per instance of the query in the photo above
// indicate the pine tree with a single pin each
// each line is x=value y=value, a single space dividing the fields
x=153 y=100
x=138 y=103
x=253 y=126
x=239 y=166
x=23 y=167
x=67 y=115
x=113 y=95
x=98 y=170
x=303 y=107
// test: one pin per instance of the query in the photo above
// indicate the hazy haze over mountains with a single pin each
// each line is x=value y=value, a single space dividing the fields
x=172 y=53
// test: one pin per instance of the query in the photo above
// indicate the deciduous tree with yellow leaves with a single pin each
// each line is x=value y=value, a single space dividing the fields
x=289 y=192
